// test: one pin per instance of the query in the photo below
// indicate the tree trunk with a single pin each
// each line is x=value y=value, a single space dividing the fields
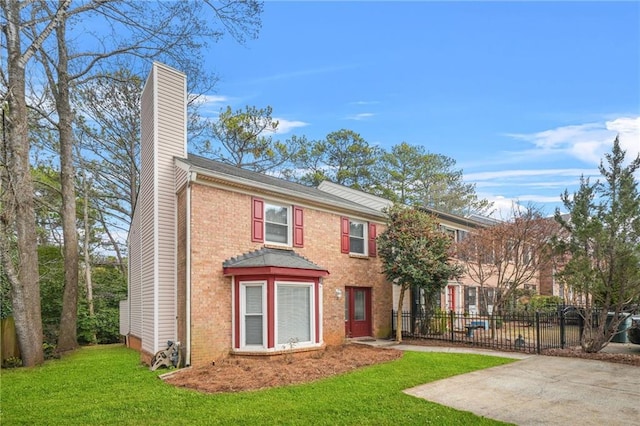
x=67 y=340
x=18 y=215
x=115 y=244
x=399 y=314
x=87 y=256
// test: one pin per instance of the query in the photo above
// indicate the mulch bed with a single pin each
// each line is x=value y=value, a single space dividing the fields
x=236 y=374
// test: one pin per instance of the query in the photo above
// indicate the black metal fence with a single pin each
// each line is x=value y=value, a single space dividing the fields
x=530 y=332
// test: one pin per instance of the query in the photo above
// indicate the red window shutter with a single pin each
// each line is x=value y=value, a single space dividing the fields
x=344 y=235
x=298 y=227
x=372 y=240
x=257 y=220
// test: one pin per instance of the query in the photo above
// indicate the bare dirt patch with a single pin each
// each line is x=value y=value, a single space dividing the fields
x=242 y=374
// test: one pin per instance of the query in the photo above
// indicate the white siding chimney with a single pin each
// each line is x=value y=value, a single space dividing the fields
x=163 y=137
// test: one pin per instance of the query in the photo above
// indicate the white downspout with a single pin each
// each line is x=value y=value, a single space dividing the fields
x=192 y=177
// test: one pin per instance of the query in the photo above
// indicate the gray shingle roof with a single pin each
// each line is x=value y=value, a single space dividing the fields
x=268 y=256
x=279 y=185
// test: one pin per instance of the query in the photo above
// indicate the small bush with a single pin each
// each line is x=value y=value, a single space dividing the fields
x=12 y=362
x=438 y=323
x=50 y=351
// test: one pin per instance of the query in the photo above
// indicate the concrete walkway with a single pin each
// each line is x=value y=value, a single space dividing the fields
x=538 y=390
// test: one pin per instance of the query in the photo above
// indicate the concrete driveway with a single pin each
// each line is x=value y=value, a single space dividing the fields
x=544 y=390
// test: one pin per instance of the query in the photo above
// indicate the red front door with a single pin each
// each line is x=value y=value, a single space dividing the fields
x=452 y=298
x=357 y=312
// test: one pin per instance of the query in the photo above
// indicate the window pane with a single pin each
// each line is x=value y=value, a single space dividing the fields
x=253 y=330
x=276 y=233
x=471 y=296
x=359 y=313
x=276 y=214
x=356 y=229
x=346 y=306
x=356 y=245
x=276 y=224
x=253 y=299
x=294 y=314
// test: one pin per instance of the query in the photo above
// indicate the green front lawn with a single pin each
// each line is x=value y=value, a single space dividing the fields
x=107 y=385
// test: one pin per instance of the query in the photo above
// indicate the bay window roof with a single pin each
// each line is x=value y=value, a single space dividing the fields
x=269 y=260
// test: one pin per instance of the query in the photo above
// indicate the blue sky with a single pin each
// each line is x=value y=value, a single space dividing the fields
x=526 y=97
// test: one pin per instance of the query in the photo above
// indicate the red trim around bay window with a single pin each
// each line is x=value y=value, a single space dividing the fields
x=271 y=295
x=236 y=304
x=271 y=314
x=316 y=290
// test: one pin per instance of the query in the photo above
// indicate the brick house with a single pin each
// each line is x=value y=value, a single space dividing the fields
x=228 y=261
x=459 y=295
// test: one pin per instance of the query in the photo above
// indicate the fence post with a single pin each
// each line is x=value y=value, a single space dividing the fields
x=392 y=319
x=451 y=320
x=538 y=332
x=563 y=336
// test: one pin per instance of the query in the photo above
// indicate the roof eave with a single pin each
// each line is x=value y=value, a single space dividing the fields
x=240 y=182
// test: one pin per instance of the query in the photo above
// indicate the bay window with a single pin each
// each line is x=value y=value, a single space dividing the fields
x=252 y=315
x=294 y=314
x=276 y=315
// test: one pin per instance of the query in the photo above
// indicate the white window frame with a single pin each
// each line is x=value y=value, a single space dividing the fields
x=243 y=300
x=289 y=223
x=365 y=237
x=312 y=315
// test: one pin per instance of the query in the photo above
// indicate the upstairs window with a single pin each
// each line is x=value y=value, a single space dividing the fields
x=358 y=237
x=278 y=224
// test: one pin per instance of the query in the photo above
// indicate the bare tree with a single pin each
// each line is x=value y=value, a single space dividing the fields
x=111 y=104
x=17 y=222
x=173 y=31
x=508 y=255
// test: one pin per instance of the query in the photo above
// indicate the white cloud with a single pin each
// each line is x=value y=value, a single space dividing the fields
x=286 y=75
x=364 y=102
x=210 y=105
x=204 y=100
x=285 y=126
x=587 y=142
x=361 y=116
x=503 y=207
x=526 y=181
x=516 y=173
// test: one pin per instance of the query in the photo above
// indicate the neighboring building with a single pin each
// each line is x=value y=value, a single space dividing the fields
x=550 y=284
x=229 y=261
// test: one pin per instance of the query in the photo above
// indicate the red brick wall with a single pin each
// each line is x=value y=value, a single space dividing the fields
x=221 y=229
